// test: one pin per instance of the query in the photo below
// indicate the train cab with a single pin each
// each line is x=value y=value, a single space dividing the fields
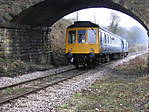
x=82 y=39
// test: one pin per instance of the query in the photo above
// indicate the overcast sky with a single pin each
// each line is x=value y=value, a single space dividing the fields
x=102 y=16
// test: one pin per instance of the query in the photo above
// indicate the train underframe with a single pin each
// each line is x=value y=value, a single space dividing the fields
x=82 y=60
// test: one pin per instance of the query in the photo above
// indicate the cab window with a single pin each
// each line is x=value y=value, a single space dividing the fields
x=91 y=36
x=82 y=36
x=72 y=37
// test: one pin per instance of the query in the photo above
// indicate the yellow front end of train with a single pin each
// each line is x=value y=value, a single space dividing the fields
x=82 y=43
x=82 y=40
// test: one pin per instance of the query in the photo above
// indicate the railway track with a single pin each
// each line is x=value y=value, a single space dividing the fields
x=14 y=91
x=33 y=79
x=18 y=90
x=21 y=89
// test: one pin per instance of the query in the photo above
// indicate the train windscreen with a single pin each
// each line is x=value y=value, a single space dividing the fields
x=82 y=36
x=72 y=37
x=92 y=36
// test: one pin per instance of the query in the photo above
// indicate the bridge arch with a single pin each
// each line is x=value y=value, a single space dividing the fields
x=46 y=13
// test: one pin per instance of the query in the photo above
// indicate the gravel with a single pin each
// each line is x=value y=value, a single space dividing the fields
x=45 y=100
x=5 y=81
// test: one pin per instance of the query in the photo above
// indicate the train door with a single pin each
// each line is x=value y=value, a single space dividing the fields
x=101 y=40
x=123 y=46
x=104 y=42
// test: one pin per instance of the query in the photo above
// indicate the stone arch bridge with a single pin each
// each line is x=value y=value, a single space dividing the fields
x=35 y=13
x=47 y=12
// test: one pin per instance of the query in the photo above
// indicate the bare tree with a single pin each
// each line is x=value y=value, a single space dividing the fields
x=114 y=24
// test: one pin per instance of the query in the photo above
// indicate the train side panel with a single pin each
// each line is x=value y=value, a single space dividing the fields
x=110 y=43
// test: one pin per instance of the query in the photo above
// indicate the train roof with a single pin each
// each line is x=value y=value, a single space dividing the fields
x=112 y=33
x=79 y=24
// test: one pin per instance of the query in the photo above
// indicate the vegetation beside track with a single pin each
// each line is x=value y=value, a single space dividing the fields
x=12 y=68
x=125 y=90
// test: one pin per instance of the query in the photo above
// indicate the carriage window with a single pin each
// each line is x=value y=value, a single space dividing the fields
x=108 y=40
x=82 y=36
x=101 y=36
x=91 y=36
x=72 y=37
x=105 y=38
x=112 y=39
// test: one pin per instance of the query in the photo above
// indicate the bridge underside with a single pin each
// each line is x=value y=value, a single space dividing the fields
x=48 y=12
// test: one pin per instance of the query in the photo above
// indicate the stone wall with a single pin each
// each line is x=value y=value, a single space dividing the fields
x=25 y=43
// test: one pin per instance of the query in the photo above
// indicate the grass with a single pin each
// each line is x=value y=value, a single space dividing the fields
x=78 y=95
x=115 y=96
x=118 y=93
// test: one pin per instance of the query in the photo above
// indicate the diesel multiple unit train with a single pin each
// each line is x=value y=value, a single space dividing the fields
x=88 y=43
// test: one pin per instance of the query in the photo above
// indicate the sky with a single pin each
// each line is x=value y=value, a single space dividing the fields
x=102 y=17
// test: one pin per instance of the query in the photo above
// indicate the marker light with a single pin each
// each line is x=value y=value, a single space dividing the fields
x=92 y=49
x=70 y=50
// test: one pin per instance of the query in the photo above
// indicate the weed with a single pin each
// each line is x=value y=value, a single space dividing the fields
x=9 y=90
x=77 y=95
x=64 y=106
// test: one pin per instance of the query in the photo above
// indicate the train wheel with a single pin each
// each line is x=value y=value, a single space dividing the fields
x=107 y=59
x=77 y=64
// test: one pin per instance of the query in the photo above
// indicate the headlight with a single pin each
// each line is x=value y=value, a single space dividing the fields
x=70 y=50
x=92 y=49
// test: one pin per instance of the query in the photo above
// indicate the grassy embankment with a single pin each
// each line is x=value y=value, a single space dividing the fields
x=125 y=90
